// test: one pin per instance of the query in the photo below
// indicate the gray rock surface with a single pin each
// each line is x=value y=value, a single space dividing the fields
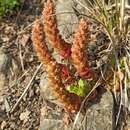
x=5 y=63
x=50 y=124
x=45 y=89
x=66 y=17
x=98 y=115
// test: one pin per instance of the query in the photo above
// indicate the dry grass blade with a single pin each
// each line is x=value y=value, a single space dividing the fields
x=125 y=89
x=120 y=74
x=126 y=81
x=19 y=78
x=122 y=15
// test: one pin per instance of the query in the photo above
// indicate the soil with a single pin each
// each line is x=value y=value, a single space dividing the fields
x=18 y=63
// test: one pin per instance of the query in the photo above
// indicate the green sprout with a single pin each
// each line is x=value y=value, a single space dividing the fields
x=80 y=88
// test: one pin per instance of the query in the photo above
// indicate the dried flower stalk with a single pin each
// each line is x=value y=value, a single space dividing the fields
x=78 y=55
x=71 y=102
x=52 y=32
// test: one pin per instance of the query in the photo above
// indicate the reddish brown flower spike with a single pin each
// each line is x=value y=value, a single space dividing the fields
x=79 y=56
x=70 y=103
x=52 y=32
x=38 y=39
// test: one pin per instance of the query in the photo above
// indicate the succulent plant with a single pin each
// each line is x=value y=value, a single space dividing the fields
x=61 y=76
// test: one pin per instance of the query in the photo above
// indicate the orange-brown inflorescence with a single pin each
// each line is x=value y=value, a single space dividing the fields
x=78 y=55
x=38 y=39
x=52 y=32
x=71 y=102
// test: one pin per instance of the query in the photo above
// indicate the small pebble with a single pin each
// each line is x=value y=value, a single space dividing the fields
x=24 y=116
x=3 y=125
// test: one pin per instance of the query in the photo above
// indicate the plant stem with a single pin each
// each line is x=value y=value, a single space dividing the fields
x=122 y=13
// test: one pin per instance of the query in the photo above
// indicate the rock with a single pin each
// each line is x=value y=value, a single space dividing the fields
x=66 y=21
x=99 y=115
x=7 y=105
x=51 y=124
x=5 y=63
x=52 y=120
x=128 y=122
x=46 y=91
x=81 y=6
x=23 y=39
x=16 y=70
x=43 y=111
x=24 y=116
x=31 y=93
x=2 y=83
x=3 y=125
x=2 y=115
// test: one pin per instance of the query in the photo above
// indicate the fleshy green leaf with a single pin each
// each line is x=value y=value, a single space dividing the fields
x=72 y=89
x=81 y=82
x=79 y=89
